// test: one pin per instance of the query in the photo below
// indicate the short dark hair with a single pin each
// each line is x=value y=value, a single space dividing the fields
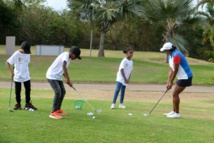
x=126 y=50
x=173 y=48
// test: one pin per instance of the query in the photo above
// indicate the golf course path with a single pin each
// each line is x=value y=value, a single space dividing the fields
x=109 y=87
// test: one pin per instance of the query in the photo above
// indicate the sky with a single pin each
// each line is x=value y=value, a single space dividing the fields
x=57 y=4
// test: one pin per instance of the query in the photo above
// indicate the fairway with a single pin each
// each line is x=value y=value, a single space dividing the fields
x=110 y=126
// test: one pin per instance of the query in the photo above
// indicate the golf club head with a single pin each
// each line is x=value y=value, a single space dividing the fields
x=11 y=110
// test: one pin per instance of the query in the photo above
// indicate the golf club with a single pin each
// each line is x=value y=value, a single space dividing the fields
x=10 y=95
x=97 y=111
x=156 y=104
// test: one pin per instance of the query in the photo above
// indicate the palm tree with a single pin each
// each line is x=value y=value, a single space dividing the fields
x=208 y=34
x=203 y=2
x=169 y=14
x=104 y=13
x=209 y=25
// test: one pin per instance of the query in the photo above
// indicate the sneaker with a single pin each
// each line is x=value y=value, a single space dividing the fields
x=112 y=106
x=55 y=115
x=175 y=115
x=17 y=107
x=29 y=105
x=61 y=112
x=121 y=105
x=166 y=114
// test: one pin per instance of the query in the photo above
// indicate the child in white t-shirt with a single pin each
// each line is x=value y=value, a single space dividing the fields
x=123 y=77
x=54 y=77
x=20 y=59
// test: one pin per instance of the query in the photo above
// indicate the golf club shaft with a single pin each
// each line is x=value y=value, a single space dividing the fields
x=84 y=99
x=10 y=93
x=158 y=102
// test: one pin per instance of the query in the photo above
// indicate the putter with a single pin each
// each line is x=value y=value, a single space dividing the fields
x=10 y=95
x=97 y=111
x=156 y=104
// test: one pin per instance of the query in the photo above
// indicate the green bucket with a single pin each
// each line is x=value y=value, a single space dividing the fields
x=78 y=104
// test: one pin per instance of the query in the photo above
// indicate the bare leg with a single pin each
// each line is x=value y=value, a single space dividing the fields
x=176 y=99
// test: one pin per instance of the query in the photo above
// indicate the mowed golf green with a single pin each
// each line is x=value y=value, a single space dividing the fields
x=110 y=126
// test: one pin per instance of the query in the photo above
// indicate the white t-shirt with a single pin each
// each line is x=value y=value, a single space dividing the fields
x=20 y=61
x=55 y=71
x=127 y=66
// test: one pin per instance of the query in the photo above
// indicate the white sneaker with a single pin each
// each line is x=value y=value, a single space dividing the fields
x=121 y=105
x=166 y=114
x=175 y=115
x=112 y=106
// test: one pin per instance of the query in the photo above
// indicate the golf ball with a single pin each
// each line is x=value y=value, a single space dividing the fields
x=93 y=117
x=90 y=114
x=31 y=109
x=130 y=114
x=77 y=107
x=145 y=114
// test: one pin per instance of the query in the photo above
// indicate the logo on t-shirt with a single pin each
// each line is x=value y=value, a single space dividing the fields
x=19 y=59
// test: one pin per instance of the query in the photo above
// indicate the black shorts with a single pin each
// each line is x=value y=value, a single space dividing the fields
x=184 y=82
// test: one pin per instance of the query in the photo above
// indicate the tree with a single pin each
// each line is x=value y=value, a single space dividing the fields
x=208 y=34
x=169 y=14
x=209 y=25
x=7 y=21
x=137 y=33
x=105 y=13
x=203 y=2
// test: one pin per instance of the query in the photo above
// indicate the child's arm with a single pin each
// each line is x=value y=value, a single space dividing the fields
x=129 y=77
x=10 y=69
x=123 y=74
x=68 y=81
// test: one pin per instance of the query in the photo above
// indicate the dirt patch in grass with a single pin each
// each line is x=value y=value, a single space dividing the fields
x=143 y=96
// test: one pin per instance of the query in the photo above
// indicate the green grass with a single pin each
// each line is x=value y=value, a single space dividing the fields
x=149 y=67
x=110 y=126
x=93 y=69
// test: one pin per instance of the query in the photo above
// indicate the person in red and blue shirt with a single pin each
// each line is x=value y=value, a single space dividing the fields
x=178 y=66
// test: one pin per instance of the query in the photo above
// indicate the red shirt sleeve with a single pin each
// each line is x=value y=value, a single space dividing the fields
x=177 y=59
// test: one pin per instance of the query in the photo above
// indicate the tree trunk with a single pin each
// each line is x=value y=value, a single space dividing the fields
x=101 y=47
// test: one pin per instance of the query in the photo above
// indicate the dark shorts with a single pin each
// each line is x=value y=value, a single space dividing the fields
x=184 y=82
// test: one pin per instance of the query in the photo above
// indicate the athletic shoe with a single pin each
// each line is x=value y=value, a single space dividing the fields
x=61 y=112
x=55 y=115
x=175 y=115
x=112 y=106
x=121 y=105
x=17 y=107
x=166 y=114
x=29 y=105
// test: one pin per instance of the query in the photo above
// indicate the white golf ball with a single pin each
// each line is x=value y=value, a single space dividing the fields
x=31 y=109
x=130 y=114
x=93 y=117
x=145 y=114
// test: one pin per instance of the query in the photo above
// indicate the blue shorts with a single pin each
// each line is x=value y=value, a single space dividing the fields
x=184 y=82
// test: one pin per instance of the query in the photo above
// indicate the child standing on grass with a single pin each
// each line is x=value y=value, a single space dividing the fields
x=20 y=59
x=123 y=77
x=54 y=77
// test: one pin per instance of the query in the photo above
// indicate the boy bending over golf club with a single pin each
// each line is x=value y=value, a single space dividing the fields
x=54 y=77
x=123 y=77
x=20 y=59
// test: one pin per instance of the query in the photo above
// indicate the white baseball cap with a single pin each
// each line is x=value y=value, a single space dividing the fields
x=166 y=46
